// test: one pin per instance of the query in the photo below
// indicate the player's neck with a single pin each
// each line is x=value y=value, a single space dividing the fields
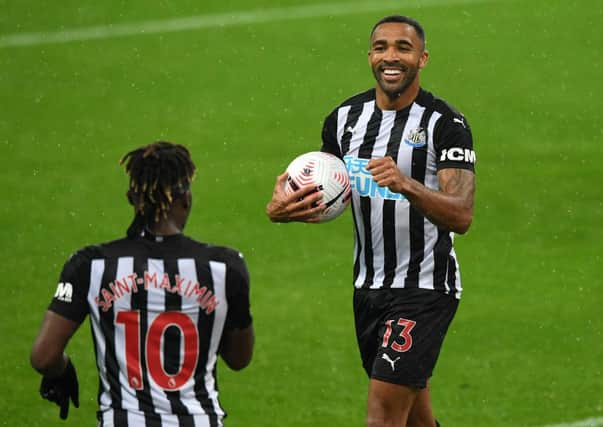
x=166 y=227
x=400 y=101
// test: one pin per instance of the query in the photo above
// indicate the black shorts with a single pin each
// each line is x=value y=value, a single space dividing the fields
x=400 y=332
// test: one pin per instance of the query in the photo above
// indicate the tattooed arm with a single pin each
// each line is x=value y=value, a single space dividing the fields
x=450 y=207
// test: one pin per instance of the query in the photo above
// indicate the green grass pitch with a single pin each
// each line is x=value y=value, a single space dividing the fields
x=526 y=348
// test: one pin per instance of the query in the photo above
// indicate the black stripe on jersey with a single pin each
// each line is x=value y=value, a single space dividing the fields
x=452 y=274
x=107 y=327
x=416 y=218
x=172 y=338
x=121 y=419
x=205 y=324
x=138 y=302
x=185 y=421
x=441 y=252
x=356 y=270
x=152 y=420
x=365 y=152
x=351 y=120
x=389 y=206
x=365 y=212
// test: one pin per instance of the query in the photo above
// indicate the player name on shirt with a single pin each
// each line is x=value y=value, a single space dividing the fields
x=182 y=286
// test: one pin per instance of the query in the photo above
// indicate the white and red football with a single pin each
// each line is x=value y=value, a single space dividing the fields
x=330 y=176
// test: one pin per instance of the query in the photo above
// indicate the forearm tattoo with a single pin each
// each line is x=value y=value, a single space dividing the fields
x=460 y=182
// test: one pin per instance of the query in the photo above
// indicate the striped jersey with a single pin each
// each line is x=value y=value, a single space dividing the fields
x=158 y=306
x=395 y=245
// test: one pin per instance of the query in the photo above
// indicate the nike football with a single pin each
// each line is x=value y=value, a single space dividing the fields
x=328 y=174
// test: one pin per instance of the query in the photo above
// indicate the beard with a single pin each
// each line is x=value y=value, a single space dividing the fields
x=395 y=89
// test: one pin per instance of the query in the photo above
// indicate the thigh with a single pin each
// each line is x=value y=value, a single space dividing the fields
x=421 y=414
x=389 y=404
x=368 y=315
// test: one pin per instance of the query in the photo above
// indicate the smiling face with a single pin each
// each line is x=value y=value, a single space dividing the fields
x=396 y=55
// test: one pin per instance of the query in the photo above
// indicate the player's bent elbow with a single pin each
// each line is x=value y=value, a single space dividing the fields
x=464 y=223
x=461 y=230
x=237 y=349
x=238 y=364
x=237 y=359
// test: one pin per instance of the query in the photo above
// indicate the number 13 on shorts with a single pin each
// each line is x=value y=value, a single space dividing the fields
x=403 y=342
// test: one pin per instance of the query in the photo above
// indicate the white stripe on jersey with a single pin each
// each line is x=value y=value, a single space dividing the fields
x=97 y=268
x=218 y=273
x=342 y=115
x=431 y=177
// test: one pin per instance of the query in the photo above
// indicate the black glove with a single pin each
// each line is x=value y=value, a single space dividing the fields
x=60 y=389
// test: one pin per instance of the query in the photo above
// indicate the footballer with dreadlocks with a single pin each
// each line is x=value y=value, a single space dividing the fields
x=162 y=306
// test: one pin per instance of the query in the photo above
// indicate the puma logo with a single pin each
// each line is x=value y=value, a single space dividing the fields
x=461 y=121
x=390 y=361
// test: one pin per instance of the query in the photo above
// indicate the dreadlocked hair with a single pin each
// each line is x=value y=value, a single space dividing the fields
x=159 y=173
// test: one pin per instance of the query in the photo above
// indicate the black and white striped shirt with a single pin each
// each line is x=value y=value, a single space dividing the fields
x=158 y=307
x=395 y=245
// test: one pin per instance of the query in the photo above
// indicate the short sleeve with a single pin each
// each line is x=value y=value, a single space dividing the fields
x=329 y=135
x=70 y=298
x=454 y=143
x=237 y=293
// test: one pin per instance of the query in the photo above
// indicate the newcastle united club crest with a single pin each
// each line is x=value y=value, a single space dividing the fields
x=416 y=138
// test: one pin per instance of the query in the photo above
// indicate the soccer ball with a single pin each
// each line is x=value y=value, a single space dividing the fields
x=330 y=176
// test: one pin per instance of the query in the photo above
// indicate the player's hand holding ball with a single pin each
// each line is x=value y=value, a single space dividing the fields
x=302 y=205
x=315 y=188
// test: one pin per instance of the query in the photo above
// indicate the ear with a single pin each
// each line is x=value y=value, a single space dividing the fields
x=423 y=59
x=187 y=200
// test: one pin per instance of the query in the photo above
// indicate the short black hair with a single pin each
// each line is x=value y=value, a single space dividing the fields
x=159 y=173
x=400 y=19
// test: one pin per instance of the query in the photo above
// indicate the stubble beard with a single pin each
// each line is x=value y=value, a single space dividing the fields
x=394 y=92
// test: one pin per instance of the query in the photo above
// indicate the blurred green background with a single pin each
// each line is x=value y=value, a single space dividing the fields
x=246 y=93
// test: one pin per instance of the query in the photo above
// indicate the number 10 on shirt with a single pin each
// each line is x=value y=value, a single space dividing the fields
x=155 y=334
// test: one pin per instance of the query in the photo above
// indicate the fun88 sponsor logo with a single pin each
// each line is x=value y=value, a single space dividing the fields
x=363 y=183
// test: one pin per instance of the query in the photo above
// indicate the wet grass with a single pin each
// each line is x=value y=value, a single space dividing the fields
x=526 y=346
